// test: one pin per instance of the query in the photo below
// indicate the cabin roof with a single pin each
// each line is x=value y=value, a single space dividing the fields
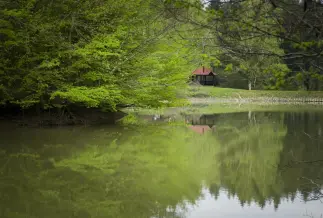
x=203 y=71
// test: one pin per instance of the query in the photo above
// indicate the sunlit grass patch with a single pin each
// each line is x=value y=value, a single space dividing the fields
x=210 y=91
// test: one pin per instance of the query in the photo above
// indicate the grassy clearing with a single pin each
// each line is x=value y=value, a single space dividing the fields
x=221 y=108
x=217 y=92
x=215 y=100
x=234 y=108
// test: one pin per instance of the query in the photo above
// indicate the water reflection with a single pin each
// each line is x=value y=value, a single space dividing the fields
x=226 y=206
x=201 y=123
x=241 y=164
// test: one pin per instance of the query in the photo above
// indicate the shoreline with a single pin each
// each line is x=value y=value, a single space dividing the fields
x=94 y=116
x=251 y=100
x=48 y=118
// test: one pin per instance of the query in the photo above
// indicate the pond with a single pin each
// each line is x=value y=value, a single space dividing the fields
x=247 y=164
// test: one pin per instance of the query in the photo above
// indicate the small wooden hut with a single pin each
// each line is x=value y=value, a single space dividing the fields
x=205 y=76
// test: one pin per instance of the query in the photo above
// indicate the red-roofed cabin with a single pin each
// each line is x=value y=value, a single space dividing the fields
x=204 y=76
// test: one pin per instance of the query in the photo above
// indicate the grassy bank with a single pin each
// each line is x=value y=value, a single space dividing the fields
x=254 y=95
x=221 y=108
x=254 y=107
x=216 y=100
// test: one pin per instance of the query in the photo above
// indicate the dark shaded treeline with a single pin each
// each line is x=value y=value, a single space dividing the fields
x=272 y=44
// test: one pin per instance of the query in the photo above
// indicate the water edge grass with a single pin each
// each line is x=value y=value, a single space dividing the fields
x=198 y=94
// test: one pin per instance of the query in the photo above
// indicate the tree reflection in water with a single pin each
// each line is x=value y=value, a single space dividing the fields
x=157 y=169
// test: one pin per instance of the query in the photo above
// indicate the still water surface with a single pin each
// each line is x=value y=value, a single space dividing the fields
x=229 y=165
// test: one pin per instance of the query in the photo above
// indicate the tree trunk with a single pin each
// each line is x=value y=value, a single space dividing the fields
x=249 y=85
x=307 y=84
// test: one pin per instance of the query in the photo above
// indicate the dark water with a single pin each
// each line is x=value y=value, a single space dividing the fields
x=229 y=165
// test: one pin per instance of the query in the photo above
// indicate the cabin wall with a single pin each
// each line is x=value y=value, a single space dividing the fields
x=205 y=79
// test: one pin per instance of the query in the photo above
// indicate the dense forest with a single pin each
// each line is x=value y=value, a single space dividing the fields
x=91 y=53
x=109 y=54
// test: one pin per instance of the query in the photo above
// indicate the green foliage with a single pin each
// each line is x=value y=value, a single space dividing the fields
x=253 y=35
x=277 y=76
x=91 y=97
x=248 y=56
x=228 y=67
x=165 y=69
x=96 y=54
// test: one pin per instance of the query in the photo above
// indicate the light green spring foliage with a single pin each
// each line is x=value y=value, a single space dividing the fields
x=158 y=80
x=89 y=53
